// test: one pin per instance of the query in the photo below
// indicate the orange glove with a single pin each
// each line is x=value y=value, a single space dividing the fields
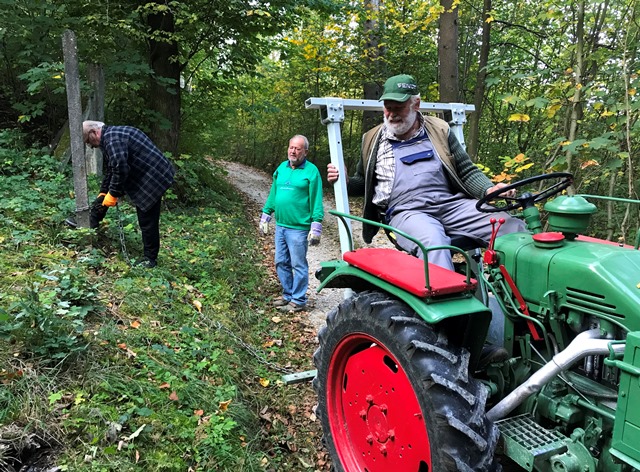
x=101 y=195
x=109 y=200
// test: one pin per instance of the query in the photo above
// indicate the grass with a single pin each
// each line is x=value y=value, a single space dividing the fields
x=118 y=368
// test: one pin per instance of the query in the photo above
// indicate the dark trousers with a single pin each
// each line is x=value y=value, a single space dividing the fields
x=149 y=222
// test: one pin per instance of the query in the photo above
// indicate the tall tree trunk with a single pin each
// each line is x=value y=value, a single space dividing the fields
x=631 y=180
x=576 y=100
x=473 y=137
x=165 y=97
x=74 y=106
x=448 y=54
x=95 y=111
x=372 y=89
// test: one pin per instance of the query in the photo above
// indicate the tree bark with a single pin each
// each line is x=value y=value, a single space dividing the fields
x=473 y=138
x=165 y=87
x=372 y=89
x=95 y=111
x=448 y=54
x=72 y=81
x=576 y=100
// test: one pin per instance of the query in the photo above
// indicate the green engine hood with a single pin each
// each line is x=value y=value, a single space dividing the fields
x=596 y=278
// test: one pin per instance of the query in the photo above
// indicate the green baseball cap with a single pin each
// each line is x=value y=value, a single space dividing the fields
x=399 y=88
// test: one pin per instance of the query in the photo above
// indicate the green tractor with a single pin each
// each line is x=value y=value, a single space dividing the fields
x=403 y=379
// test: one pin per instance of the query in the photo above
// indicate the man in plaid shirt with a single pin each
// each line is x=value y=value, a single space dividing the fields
x=135 y=166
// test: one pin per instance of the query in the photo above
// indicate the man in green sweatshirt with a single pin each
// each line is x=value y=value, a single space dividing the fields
x=296 y=199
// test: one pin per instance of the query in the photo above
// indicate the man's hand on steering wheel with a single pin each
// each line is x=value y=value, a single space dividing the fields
x=527 y=199
x=496 y=187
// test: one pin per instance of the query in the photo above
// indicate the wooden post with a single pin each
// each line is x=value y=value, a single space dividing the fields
x=72 y=81
x=95 y=112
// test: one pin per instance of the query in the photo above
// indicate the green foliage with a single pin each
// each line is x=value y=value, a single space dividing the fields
x=198 y=182
x=43 y=78
x=48 y=319
x=130 y=369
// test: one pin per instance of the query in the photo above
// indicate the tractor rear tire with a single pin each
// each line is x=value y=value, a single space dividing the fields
x=394 y=396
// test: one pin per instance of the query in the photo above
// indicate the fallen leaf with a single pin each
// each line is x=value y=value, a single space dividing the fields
x=136 y=433
x=173 y=396
x=164 y=385
x=198 y=412
x=198 y=305
x=276 y=319
x=224 y=405
x=135 y=324
x=122 y=346
x=264 y=382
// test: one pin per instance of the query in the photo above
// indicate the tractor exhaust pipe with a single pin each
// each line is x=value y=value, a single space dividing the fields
x=587 y=343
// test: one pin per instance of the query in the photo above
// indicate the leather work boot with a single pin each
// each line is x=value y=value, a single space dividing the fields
x=292 y=308
x=280 y=302
x=146 y=263
x=491 y=355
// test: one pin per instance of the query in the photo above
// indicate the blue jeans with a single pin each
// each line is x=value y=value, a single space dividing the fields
x=291 y=263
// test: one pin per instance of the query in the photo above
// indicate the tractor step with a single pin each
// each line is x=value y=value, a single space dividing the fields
x=527 y=443
x=298 y=377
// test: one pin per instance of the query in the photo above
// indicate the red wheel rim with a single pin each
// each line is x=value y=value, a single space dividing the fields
x=374 y=415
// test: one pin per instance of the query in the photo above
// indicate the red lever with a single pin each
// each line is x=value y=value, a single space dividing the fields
x=523 y=305
x=490 y=256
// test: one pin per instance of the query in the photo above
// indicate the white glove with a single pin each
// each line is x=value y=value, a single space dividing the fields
x=314 y=234
x=264 y=223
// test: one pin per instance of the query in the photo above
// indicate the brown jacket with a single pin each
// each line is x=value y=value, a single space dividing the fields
x=463 y=174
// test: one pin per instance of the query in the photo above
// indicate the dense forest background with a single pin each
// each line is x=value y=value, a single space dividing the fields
x=104 y=366
x=553 y=82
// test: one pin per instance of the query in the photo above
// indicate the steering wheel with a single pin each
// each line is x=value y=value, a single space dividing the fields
x=527 y=199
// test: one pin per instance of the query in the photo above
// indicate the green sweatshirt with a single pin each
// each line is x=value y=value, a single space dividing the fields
x=296 y=196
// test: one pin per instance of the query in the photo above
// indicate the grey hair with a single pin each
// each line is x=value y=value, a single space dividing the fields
x=304 y=138
x=88 y=125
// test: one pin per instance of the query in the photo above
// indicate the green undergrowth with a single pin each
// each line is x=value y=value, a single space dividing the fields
x=113 y=367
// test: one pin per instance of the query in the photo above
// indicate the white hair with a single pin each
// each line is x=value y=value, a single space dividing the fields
x=304 y=138
x=88 y=125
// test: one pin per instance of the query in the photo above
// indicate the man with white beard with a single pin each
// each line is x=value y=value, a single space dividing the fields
x=416 y=177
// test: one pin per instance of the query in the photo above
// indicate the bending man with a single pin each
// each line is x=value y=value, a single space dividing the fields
x=135 y=166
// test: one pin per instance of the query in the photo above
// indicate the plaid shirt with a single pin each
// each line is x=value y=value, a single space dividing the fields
x=386 y=164
x=134 y=165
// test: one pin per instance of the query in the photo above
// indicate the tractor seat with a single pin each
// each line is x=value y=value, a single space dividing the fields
x=466 y=243
x=407 y=272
